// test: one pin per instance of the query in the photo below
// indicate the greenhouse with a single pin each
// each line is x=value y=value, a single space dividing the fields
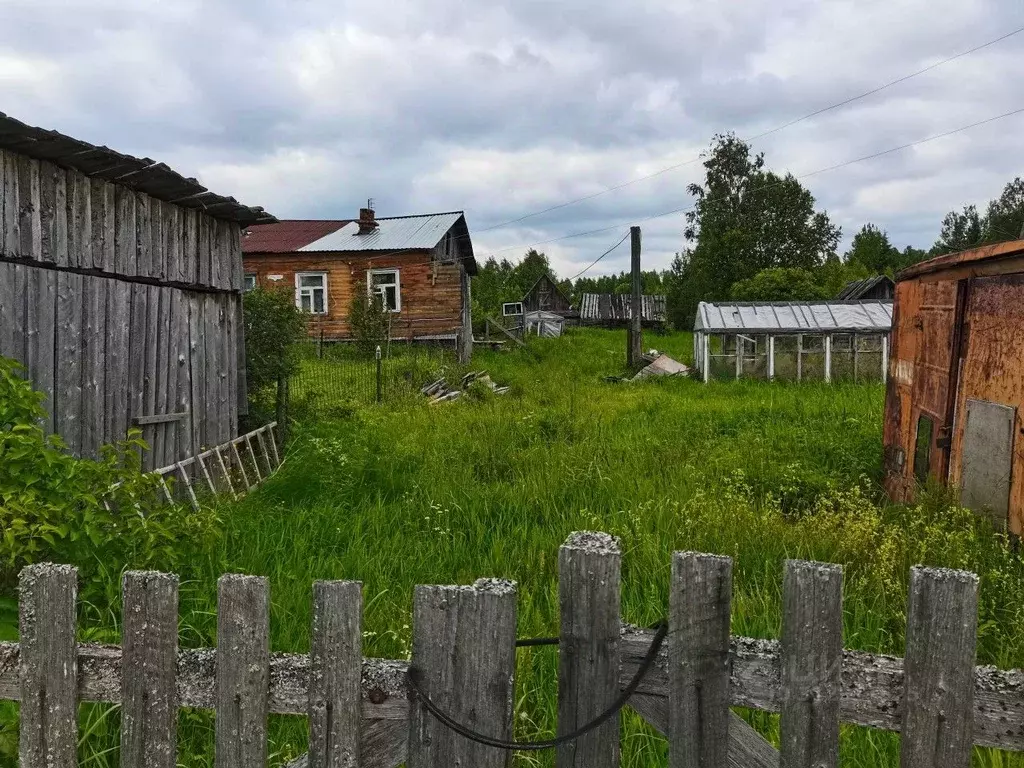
x=814 y=341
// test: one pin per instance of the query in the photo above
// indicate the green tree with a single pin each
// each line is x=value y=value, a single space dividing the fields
x=273 y=325
x=1004 y=217
x=370 y=321
x=960 y=230
x=871 y=249
x=746 y=219
x=780 y=284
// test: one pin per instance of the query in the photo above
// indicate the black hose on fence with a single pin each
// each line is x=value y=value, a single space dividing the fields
x=416 y=677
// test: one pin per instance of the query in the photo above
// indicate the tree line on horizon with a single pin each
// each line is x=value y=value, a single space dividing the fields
x=753 y=235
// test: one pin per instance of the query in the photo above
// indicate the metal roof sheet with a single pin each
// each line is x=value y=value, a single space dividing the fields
x=794 y=317
x=142 y=174
x=288 y=236
x=616 y=306
x=396 y=233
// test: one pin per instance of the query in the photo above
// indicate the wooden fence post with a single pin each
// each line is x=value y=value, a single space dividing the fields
x=149 y=700
x=589 y=575
x=699 y=604
x=938 y=699
x=463 y=647
x=243 y=671
x=812 y=658
x=48 y=666
x=336 y=665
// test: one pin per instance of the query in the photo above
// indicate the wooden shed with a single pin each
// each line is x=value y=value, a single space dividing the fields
x=120 y=293
x=877 y=287
x=613 y=310
x=546 y=296
x=419 y=265
x=956 y=381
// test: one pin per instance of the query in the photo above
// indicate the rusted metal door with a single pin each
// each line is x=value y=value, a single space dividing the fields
x=987 y=459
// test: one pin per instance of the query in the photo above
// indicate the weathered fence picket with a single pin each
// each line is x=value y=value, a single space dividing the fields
x=698 y=652
x=812 y=658
x=589 y=574
x=366 y=713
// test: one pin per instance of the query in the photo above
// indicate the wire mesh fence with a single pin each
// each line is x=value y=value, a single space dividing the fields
x=333 y=377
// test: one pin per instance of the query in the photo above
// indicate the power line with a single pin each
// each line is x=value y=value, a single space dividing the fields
x=835 y=167
x=769 y=132
x=601 y=256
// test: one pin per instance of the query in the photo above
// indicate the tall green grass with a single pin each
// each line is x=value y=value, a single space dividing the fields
x=406 y=493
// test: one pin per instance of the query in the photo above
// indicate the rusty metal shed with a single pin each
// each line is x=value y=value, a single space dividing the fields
x=956 y=381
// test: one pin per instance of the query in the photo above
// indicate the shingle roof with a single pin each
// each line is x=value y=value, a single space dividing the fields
x=142 y=174
x=393 y=233
x=289 y=235
x=855 y=289
x=793 y=317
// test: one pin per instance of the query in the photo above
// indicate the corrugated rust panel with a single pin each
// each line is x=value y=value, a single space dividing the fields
x=993 y=370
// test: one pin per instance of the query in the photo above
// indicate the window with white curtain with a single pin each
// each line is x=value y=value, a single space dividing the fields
x=311 y=292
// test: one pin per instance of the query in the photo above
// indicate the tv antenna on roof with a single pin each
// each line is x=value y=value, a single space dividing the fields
x=369 y=203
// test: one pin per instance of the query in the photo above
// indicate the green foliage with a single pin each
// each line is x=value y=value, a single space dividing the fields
x=273 y=327
x=100 y=515
x=502 y=281
x=1003 y=220
x=780 y=284
x=370 y=320
x=746 y=219
x=872 y=250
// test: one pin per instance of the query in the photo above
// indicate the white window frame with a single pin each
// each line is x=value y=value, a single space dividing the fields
x=371 y=273
x=245 y=282
x=300 y=290
x=507 y=304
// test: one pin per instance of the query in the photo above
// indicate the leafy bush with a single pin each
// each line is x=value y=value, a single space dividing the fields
x=100 y=515
x=371 y=323
x=273 y=327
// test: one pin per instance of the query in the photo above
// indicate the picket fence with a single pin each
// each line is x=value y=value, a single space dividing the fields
x=362 y=711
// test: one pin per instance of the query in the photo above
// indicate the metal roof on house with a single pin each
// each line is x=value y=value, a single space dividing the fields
x=394 y=233
x=602 y=307
x=289 y=235
x=794 y=317
x=856 y=289
x=142 y=174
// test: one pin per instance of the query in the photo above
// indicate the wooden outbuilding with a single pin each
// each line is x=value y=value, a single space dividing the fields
x=121 y=294
x=614 y=310
x=420 y=266
x=546 y=296
x=956 y=381
x=876 y=287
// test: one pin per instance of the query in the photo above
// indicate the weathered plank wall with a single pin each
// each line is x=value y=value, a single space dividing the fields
x=120 y=306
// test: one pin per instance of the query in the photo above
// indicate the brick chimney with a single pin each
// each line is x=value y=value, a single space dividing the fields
x=367 y=223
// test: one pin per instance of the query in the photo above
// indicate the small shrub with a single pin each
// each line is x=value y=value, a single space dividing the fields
x=370 y=321
x=273 y=328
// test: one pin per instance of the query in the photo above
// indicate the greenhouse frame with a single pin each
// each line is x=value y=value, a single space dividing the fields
x=812 y=341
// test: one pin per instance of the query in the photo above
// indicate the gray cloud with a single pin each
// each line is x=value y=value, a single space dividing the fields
x=506 y=107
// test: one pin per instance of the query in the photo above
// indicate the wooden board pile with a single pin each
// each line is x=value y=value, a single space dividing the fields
x=439 y=391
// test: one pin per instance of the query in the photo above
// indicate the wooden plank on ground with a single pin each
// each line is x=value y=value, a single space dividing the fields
x=48 y=666
x=699 y=611
x=335 y=675
x=589 y=576
x=942 y=630
x=812 y=663
x=243 y=673
x=149 y=702
x=461 y=634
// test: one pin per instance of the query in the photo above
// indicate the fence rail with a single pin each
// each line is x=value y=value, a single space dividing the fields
x=362 y=711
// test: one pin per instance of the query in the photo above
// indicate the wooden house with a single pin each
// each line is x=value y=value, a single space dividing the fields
x=420 y=266
x=546 y=296
x=121 y=294
x=956 y=381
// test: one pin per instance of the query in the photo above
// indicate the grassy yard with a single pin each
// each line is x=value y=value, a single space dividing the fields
x=404 y=494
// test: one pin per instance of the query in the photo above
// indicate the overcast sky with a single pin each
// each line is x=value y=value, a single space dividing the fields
x=506 y=107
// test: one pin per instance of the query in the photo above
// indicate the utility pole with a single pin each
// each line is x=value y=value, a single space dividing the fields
x=634 y=342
